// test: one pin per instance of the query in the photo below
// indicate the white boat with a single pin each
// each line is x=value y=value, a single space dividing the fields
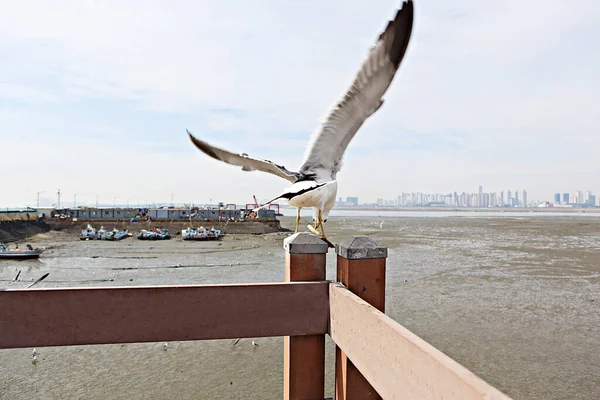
x=201 y=234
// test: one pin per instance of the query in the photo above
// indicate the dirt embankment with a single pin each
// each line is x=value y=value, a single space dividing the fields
x=256 y=227
x=12 y=231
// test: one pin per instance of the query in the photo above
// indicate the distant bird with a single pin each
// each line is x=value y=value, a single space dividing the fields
x=381 y=224
x=254 y=343
x=164 y=346
x=315 y=184
x=34 y=360
x=34 y=352
x=236 y=342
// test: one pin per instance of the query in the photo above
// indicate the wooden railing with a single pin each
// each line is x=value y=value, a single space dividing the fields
x=375 y=356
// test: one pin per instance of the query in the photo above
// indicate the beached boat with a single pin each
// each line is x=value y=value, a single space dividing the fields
x=201 y=234
x=18 y=253
x=154 y=234
x=116 y=234
x=88 y=233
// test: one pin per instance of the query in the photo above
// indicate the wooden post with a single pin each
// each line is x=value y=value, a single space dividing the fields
x=361 y=268
x=304 y=356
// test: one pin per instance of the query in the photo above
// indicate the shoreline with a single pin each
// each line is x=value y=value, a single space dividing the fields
x=16 y=231
x=473 y=209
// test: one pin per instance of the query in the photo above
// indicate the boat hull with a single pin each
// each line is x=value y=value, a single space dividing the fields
x=20 y=255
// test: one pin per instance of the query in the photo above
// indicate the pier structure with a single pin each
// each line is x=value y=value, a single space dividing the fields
x=376 y=357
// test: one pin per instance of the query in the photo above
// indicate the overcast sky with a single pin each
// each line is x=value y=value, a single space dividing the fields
x=96 y=96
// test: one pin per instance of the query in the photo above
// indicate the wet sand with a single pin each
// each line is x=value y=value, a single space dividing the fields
x=514 y=299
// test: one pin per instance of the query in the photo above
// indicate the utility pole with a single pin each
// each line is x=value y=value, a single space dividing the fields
x=58 y=198
x=38 y=198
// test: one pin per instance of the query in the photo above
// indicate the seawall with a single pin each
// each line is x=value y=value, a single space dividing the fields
x=12 y=231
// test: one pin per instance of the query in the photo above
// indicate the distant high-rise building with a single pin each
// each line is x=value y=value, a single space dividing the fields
x=502 y=198
x=509 y=198
x=525 y=203
x=352 y=200
x=480 y=189
x=590 y=199
x=517 y=198
x=566 y=198
x=557 y=197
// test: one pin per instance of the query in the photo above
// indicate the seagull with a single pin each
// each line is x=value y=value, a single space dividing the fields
x=315 y=183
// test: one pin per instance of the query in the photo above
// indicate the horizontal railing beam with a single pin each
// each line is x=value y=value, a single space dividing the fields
x=396 y=362
x=82 y=316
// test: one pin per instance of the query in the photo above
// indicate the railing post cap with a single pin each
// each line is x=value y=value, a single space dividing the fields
x=304 y=243
x=361 y=247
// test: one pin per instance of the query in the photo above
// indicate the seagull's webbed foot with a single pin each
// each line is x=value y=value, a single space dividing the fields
x=321 y=235
x=314 y=230
x=331 y=245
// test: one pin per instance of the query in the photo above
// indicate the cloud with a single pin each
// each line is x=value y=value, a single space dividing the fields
x=502 y=94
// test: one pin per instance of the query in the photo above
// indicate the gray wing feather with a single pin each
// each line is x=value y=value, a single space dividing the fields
x=363 y=98
x=243 y=160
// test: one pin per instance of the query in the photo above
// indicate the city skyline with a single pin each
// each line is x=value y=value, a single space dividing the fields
x=479 y=199
x=96 y=97
x=476 y=199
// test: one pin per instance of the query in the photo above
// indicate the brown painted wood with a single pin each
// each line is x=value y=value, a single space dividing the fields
x=79 y=316
x=396 y=362
x=304 y=356
x=366 y=278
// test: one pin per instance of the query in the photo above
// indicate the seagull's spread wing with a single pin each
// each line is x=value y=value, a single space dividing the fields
x=364 y=97
x=243 y=160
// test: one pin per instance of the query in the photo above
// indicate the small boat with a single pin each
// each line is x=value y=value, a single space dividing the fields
x=18 y=253
x=101 y=233
x=116 y=234
x=201 y=234
x=88 y=233
x=153 y=234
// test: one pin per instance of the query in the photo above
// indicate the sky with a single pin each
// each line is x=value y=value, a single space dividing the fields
x=96 y=97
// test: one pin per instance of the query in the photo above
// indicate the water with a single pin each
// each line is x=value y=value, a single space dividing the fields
x=514 y=298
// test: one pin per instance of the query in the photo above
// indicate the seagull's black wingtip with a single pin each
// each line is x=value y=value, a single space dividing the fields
x=196 y=142
x=401 y=29
x=203 y=146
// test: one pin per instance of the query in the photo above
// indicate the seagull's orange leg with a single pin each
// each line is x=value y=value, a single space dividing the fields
x=297 y=219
